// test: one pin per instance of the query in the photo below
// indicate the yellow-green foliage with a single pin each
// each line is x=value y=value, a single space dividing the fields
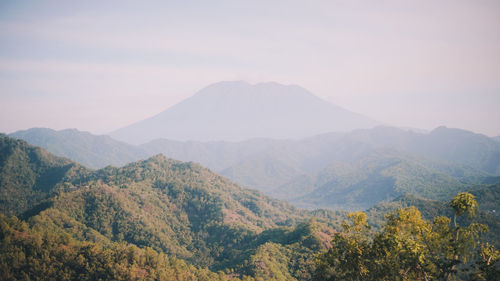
x=409 y=247
x=29 y=254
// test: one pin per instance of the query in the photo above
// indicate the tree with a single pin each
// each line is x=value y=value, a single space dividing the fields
x=348 y=259
x=401 y=248
x=463 y=203
x=485 y=265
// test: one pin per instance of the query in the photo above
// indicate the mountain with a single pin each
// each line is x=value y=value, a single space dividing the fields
x=85 y=148
x=497 y=138
x=236 y=111
x=459 y=146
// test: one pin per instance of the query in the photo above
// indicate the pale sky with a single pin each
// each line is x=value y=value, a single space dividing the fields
x=101 y=65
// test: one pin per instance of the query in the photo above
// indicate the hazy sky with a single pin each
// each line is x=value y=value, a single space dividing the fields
x=100 y=65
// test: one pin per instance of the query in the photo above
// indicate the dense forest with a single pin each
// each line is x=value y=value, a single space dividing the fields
x=161 y=219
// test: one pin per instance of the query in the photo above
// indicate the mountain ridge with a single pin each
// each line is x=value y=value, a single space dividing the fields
x=289 y=169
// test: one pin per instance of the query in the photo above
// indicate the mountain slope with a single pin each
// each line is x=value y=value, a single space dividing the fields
x=239 y=111
x=38 y=253
x=85 y=148
x=180 y=209
x=431 y=163
x=448 y=144
x=216 y=155
x=378 y=177
x=28 y=175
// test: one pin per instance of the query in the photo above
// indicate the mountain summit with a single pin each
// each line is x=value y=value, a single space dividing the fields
x=236 y=110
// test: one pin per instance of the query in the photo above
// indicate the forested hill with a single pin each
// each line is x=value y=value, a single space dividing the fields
x=30 y=174
x=180 y=209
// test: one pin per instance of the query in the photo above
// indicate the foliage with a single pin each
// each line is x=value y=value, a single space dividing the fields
x=409 y=247
x=346 y=260
x=464 y=203
x=180 y=209
x=485 y=195
x=29 y=175
x=38 y=254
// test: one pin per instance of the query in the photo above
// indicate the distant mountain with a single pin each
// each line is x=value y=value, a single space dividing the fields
x=236 y=111
x=88 y=149
x=360 y=184
x=497 y=138
x=313 y=154
x=448 y=144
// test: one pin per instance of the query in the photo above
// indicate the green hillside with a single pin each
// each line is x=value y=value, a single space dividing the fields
x=29 y=174
x=34 y=253
x=180 y=209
